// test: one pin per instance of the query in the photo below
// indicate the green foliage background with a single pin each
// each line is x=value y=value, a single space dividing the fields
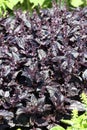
x=7 y=6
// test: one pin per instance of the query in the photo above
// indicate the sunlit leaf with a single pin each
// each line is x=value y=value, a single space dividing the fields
x=67 y=122
x=76 y=3
x=11 y=3
x=57 y=128
x=36 y=2
x=21 y=1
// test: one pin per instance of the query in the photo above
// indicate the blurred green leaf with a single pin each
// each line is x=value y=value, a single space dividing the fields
x=36 y=2
x=57 y=128
x=11 y=3
x=77 y=3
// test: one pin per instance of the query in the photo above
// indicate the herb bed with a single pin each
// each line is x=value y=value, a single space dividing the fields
x=43 y=67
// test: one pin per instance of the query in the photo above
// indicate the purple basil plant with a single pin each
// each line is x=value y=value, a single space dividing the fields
x=43 y=66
